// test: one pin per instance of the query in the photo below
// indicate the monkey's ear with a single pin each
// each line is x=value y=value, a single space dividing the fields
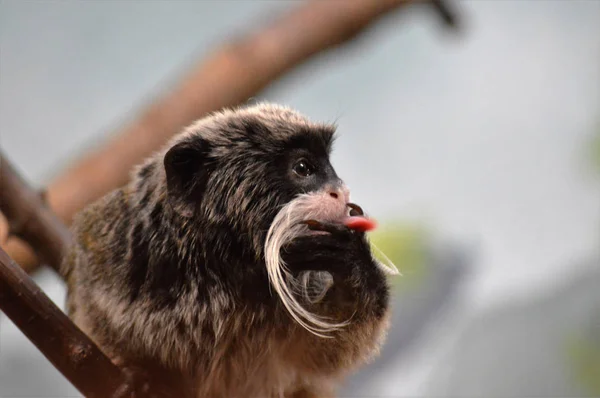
x=187 y=174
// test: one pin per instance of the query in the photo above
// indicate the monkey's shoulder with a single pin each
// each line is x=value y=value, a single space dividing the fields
x=100 y=230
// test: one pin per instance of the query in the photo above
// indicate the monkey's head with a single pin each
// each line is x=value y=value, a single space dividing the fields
x=255 y=177
x=238 y=169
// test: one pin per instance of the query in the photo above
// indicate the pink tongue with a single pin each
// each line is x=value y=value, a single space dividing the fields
x=360 y=223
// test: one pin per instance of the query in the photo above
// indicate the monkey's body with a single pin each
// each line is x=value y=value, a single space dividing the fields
x=168 y=273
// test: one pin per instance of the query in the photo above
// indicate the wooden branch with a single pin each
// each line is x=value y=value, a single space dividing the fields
x=29 y=218
x=67 y=347
x=230 y=76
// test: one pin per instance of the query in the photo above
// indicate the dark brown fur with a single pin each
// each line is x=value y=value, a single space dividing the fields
x=167 y=273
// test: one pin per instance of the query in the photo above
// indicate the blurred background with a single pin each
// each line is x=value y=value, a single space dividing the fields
x=478 y=152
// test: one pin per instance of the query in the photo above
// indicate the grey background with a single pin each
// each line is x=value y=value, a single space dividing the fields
x=482 y=138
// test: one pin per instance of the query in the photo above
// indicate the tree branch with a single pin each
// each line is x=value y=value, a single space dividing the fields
x=234 y=73
x=69 y=350
x=29 y=218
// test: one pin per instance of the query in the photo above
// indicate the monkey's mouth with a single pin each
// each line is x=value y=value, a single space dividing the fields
x=355 y=220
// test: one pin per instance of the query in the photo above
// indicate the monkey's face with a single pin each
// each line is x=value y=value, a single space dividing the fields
x=239 y=172
x=263 y=179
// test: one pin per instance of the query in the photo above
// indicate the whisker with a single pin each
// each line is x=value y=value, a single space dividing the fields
x=389 y=268
x=285 y=228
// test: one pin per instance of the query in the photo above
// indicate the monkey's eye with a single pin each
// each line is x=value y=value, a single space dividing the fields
x=303 y=168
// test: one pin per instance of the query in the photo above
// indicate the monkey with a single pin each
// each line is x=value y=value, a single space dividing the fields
x=233 y=263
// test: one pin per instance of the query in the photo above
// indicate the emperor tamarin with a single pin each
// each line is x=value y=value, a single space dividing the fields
x=232 y=263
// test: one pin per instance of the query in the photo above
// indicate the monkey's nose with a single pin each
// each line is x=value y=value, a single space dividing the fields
x=340 y=193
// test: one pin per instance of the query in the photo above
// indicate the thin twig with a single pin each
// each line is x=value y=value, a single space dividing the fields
x=231 y=75
x=447 y=13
